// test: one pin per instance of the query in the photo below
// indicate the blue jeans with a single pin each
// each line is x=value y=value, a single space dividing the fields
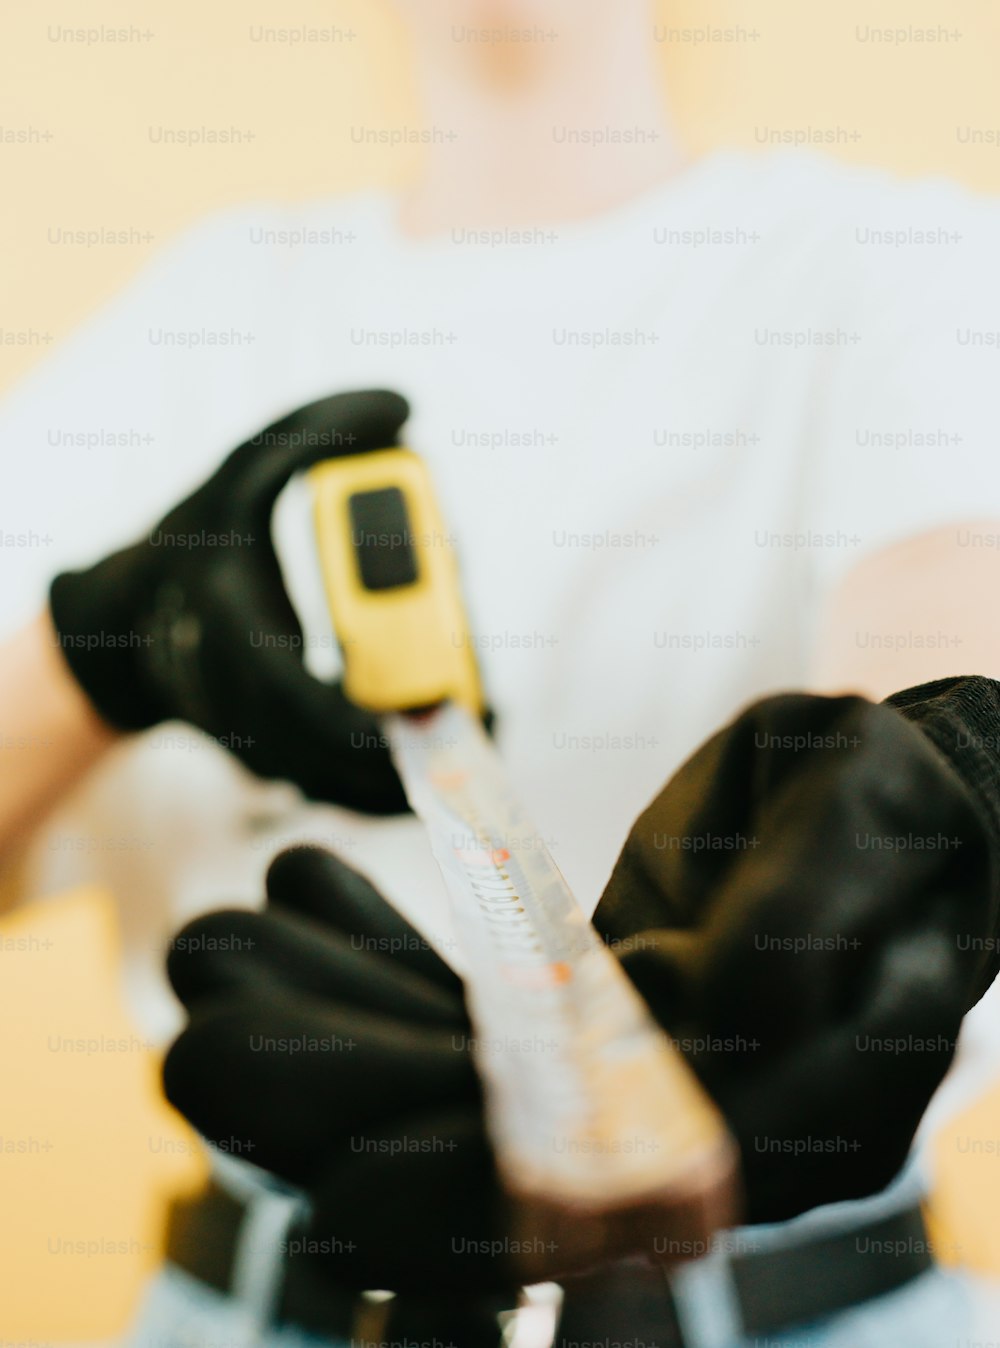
x=180 y=1312
x=938 y=1309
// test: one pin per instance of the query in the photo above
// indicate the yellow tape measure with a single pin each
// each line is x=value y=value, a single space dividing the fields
x=602 y=1133
x=392 y=584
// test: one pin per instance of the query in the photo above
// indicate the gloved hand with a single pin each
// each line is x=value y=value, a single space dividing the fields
x=193 y=622
x=331 y=1040
x=810 y=906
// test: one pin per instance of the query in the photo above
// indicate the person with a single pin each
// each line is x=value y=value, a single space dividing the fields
x=697 y=436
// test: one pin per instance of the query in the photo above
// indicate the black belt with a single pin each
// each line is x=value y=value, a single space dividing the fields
x=776 y=1289
x=203 y=1238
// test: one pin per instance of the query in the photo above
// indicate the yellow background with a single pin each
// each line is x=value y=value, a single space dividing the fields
x=89 y=1153
x=200 y=67
x=99 y=169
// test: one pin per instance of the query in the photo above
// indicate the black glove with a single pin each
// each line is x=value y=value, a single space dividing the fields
x=331 y=1042
x=810 y=906
x=193 y=622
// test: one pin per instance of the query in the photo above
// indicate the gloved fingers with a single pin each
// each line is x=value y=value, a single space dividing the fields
x=741 y=972
x=873 y=824
x=315 y=882
x=653 y=883
x=663 y=965
x=415 y=1204
x=344 y=423
x=286 y=1076
x=329 y=746
x=338 y=752
x=698 y=829
x=799 y=931
x=914 y=988
x=832 y=1117
x=744 y=796
x=848 y=861
x=237 y=951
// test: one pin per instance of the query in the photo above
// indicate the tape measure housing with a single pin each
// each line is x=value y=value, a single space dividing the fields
x=392 y=584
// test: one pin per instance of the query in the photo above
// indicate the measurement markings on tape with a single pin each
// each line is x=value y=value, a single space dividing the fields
x=590 y=1106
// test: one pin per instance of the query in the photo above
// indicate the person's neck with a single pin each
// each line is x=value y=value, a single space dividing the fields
x=528 y=158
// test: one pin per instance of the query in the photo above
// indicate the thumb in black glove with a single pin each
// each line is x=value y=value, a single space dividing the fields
x=810 y=906
x=193 y=623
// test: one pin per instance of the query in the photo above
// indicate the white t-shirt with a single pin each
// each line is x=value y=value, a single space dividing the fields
x=660 y=438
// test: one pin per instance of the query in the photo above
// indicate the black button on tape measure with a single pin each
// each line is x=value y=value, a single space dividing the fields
x=383 y=538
